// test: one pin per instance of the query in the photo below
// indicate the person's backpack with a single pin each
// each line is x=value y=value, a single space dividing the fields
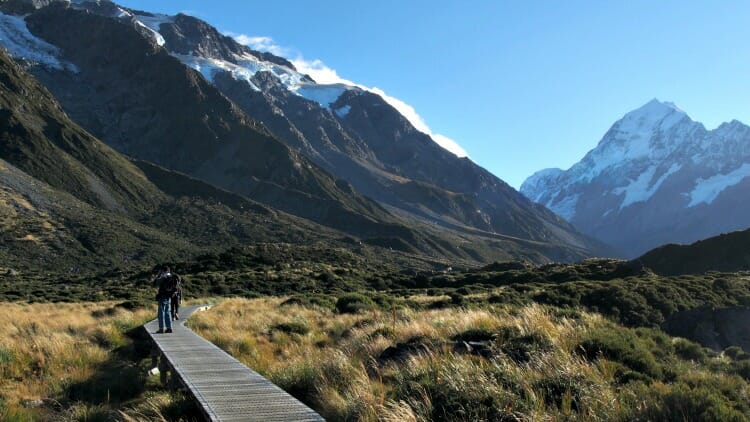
x=169 y=285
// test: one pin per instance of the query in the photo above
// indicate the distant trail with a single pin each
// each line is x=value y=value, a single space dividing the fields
x=226 y=389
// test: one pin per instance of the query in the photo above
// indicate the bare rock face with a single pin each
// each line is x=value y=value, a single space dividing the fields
x=713 y=328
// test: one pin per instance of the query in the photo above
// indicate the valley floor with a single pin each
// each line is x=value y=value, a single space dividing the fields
x=489 y=362
x=376 y=357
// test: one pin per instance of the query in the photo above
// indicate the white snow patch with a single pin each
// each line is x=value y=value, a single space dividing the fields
x=343 y=111
x=121 y=13
x=209 y=67
x=248 y=65
x=641 y=189
x=153 y=24
x=158 y=39
x=706 y=190
x=324 y=95
x=22 y=44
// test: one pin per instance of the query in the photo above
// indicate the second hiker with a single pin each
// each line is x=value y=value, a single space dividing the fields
x=176 y=297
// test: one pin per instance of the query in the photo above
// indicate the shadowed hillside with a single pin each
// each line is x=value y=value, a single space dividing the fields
x=727 y=252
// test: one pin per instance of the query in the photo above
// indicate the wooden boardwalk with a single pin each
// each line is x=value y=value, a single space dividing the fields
x=226 y=389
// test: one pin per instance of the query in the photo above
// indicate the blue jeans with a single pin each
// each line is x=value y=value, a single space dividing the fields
x=163 y=314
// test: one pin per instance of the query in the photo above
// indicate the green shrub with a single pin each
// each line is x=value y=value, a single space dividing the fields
x=457 y=393
x=6 y=356
x=309 y=301
x=300 y=380
x=292 y=328
x=624 y=375
x=683 y=403
x=622 y=346
x=385 y=332
x=735 y=352
x=521 y=348
x=742 y=368
x=563 y=391
x=353 y=303
x=296 y=300
x=508 y=340
x=475 y=334
x=689 y=351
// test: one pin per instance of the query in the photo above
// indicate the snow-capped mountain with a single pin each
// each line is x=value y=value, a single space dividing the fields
x=656 y=177
x=175 y=91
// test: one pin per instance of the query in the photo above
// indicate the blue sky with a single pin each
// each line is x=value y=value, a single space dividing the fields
x=519 y=85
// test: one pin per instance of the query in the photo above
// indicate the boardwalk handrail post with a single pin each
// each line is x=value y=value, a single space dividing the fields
x=163 y=369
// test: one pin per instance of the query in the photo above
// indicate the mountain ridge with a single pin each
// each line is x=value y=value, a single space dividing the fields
x=340 y=126
x=655 y=177
x=110 y=98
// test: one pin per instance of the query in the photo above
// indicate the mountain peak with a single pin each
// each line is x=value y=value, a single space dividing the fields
x=631 y=136
x=654 y=112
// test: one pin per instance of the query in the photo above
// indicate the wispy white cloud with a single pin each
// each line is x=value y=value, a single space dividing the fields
x=260 y=44
x=323 y=74
x=449 y=144
x=320 y=72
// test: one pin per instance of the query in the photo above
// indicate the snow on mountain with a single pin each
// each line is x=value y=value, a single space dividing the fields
x=644 y=187
x=652 y=165
x=706 y=190
x=151 y=24
x=535 y=186
x=638 y=135
x=343 y=111
x=325 y=95
x=246 y=66
x=21 y=44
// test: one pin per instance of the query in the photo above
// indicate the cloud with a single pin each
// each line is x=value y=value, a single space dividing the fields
x=326 y=75
x=449 y=144
x=320 y=72
x=260 y=44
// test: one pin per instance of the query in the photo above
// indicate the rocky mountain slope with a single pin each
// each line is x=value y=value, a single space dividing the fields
x=136 y=87
x=656 y=177
x=71 y=203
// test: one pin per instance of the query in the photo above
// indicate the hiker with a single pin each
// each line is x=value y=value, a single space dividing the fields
x=176 y=298
x=167 y=284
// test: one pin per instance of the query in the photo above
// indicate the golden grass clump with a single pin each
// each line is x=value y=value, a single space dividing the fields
x=336 y=368
x=48 y=347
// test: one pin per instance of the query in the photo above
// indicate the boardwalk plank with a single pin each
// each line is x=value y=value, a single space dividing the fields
x=226 y=389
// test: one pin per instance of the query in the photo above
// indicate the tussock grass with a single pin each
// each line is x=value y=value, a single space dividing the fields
x=532 y=367
x=76 y=361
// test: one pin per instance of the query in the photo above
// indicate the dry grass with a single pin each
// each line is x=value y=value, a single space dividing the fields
x=56 y=362
x=535 y=370
x=335 y=367
x=48 y=348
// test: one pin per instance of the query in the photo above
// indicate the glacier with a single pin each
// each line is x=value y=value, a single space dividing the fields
x=706 y=190
x=22 y=44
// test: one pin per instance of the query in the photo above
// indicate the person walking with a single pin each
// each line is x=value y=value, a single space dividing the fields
x=167 y=285
x=176 y=299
